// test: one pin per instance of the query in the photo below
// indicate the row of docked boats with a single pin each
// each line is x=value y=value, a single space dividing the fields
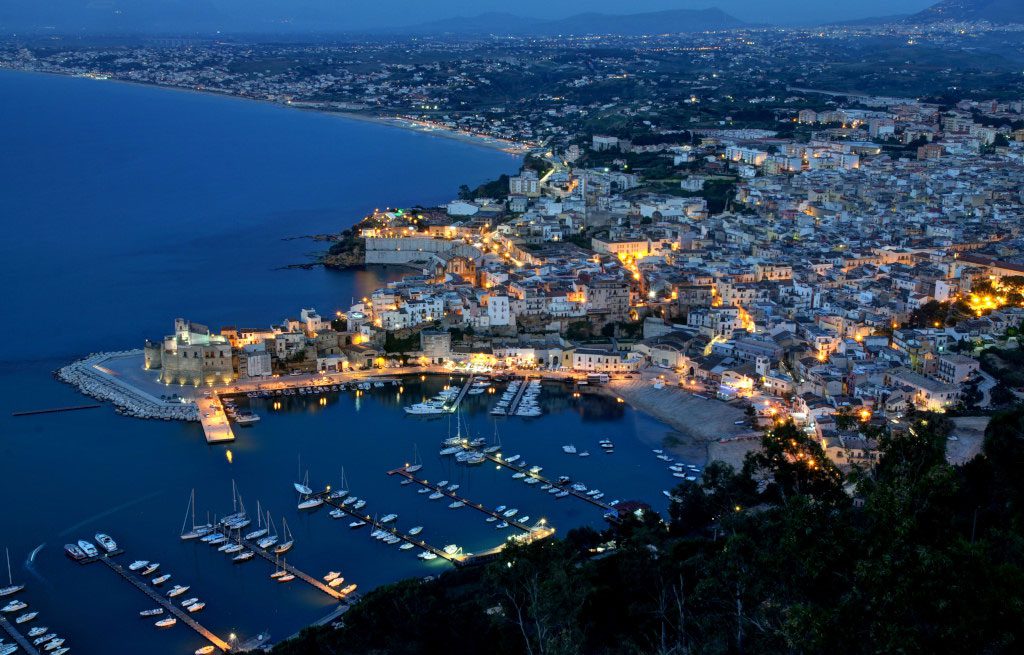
x=89 y=380
x=322 y=387
x=144 y=569
x=86 y=551
x=239 y=416
x=435 y=406
x=40 y=635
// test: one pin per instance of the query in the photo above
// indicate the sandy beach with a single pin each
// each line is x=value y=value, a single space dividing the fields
x=699 y=423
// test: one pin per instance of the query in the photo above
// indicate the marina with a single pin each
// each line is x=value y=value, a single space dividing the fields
x=18 y=638
x=168 y=606
x=285 y=566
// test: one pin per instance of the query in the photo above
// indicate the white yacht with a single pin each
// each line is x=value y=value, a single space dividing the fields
x=388 y=518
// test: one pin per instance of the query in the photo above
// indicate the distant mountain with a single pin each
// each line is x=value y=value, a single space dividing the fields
x=655 y=22
x=994 y=11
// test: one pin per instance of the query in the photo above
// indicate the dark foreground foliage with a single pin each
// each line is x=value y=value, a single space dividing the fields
x=785 y=556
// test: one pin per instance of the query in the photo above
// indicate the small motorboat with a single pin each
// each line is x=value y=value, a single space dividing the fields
x=166 y=623
x=151 y=569
x=106 y=542
x=161 y=579
x=26 y=617
x=153 y=612
x=138 y=564
x=332 y=575
x=196 y=607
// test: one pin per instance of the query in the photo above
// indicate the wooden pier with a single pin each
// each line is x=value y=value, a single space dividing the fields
x=468 y=503
x=456 y=559
x=273 y=559
x=18 y=638
x=564 y=487
x=54 y=410
x=167 y=604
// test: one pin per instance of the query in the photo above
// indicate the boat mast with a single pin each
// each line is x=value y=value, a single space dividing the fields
x=10 y=578
x=190 y=508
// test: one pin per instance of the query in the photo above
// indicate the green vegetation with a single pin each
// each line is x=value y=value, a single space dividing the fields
x=494 y=189
x=778 y=557
x=1004 y=364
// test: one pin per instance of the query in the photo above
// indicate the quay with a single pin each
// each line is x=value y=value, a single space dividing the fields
x=457 y=559
x=480 y=508
x=301 y=575
x=214 y=419
x=518 y=398
x=178 y=613
x=54 y=410
x=525 y=471
x=19 y=638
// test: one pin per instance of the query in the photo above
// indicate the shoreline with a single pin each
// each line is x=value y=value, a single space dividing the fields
x=703 y=426
x=390 y=121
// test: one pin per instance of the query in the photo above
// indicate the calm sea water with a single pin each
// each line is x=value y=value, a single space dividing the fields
x=126 y=206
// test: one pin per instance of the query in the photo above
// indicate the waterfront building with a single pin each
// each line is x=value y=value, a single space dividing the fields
x=192 y=356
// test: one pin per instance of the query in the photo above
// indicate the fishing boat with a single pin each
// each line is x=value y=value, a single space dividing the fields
x=11 y=588
x=153 y=612
x=288 y=542
x=166 y=623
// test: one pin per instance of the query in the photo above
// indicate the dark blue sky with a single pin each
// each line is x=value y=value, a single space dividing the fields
x=335 y=15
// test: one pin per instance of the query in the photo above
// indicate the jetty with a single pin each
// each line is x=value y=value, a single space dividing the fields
x=166 y=603
x=301 y=575
x=462 y=394
x=582 y=495
x=468 y=503
x=456 y=559
x=518 y=398
x=54 y=410
x=18 y=638
x=214 y=419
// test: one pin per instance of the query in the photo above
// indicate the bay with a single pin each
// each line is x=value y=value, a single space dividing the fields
x=125 y=206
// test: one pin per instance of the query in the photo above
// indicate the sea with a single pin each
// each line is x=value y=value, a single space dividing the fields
x=126 y=206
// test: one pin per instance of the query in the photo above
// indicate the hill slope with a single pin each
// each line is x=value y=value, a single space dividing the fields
x=994 y=11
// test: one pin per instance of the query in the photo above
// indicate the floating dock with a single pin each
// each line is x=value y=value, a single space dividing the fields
x=582 y=495
x=167 y=604
x=419 y=543
x=18 y=638
x=54 y=410
x=468 y=503
x=276 y=561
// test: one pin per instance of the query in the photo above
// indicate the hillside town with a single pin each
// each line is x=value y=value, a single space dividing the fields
x=874 y=269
